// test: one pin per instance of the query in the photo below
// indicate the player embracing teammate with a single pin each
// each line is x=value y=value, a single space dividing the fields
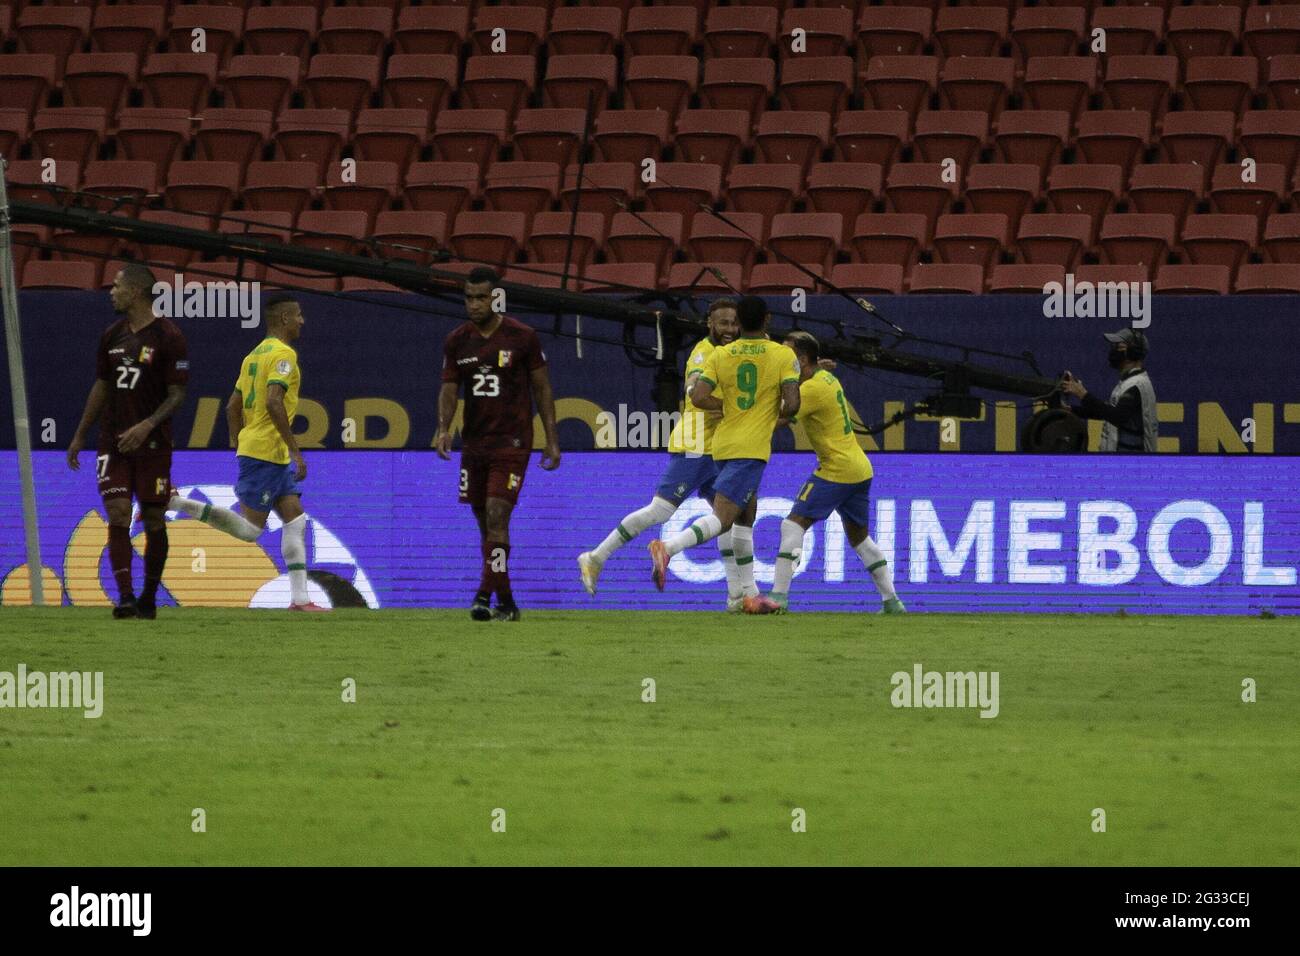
x=499 y=363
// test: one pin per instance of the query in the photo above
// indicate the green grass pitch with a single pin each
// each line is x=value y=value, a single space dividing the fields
x=240 y=713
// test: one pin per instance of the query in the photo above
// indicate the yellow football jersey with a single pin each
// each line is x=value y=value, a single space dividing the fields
x=824 y=414
x=271 y=363
x=747 y=375
x=694 y=431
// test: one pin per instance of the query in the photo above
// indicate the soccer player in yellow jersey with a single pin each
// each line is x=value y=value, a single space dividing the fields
x=690 y=469
x=842 y=481
x=753 y=382
x=260 y=412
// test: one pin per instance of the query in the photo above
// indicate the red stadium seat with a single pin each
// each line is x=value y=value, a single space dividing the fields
x=872 y=136
x=314 y=135
x=660 y=82
x=660 y=31
x=1047 y=31
x=260 y=82
x=977 y=238
x=585 y=31
x=524 y=187
x=1197 y=136
x=711 y=136
x=498 y=81
x=281 y=30
x=620 y=277
x=1219 y=239
x=392 y=135
x=951 y=134
x=1142 y=83
x=1257 y=192
x=1114 y=136
x=410 y=234
x=1086 y=188
x=371 y=190
x=56 y=274
x=646 y=237
x=1221 y=82
x=1131 y=30
x=56 y=31
x=849 y=189
x=889 y=238
x=977 y=83
x=765 y=188
x=15 y=127
x=341 y=81
x=921 y=188
x=821 y=83
x=1192 y=280
x=232 y=135
x=276 y=278
x=419 y=80
x=1203 y=31
x=431 y=30
x=280 y=187
x=971 y=31
x=1060 y=82
x=1112 y=273
x=713 y=240
x=356 y=30
x=333 y=230
x=1033 y=136
x=222 y=29
x=71 y=133
x=901 y=82
x=25 y=78
x=442 y=187
x=1143 y=239
x=1057 y=239
x=826 y=31
x=203 y=187
x=699 y=277
x=522 y=29
x=946 y=279
x=359 y=284
x=630 y=136
x=780 y=278
x=489 y=237
x=155 y=135
x=1008 y=189
x=893 y=31
x=738 y=84
x=792 y=136
x=1024 y=279
x=1271 y=136
x=1174 y=189
x=571 y=80
x=550 y=135
x=683 y=187
x=26 y=182
x=469 y=136
x=868 y=279
x=1271 y=31
x=26 y=239
x=1282 y=237
x=128 y=29
x=548 y=238
x=1268 y=277
x=100 y=80
x=740 y=31
x=164 y=256
x=607 y=188
x=258 y=224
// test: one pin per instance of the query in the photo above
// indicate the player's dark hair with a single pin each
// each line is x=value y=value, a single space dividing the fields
x=273 y=305
x=726 y=302
x=138 y=277
x=751 y=311
x=483 y=274
x=805 y=343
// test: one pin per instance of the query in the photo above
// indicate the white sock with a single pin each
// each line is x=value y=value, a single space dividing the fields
x=787 y=557
x=657 y=511
x=874 y=559
x=729 y=565
x=704 y=529
x=293 y=545
x=742 y=541
x=223 y=519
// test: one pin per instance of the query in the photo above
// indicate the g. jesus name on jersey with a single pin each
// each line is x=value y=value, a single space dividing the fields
x=495 y=372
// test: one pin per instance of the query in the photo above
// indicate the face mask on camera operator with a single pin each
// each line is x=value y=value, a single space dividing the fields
x=1129 y=415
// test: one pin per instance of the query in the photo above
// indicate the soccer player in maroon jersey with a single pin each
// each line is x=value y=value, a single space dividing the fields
x=500 y=362
x=141 y=370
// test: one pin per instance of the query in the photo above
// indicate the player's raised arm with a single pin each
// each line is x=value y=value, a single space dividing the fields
x=94 y=407
x=701 y=390
x=789 y=400
x=448 y=395
x=539 y=380
x=235 y=415
x=280 y=419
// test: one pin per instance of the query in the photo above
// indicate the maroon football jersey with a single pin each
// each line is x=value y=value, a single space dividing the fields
x=138 y=367
x=495 y=372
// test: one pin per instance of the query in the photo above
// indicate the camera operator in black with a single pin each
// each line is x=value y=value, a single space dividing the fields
x=1130 y=414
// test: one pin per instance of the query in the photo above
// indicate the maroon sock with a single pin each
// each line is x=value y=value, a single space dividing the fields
x=487 y=579
x=155 y=559
x=501 y=576
x=120 y=556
